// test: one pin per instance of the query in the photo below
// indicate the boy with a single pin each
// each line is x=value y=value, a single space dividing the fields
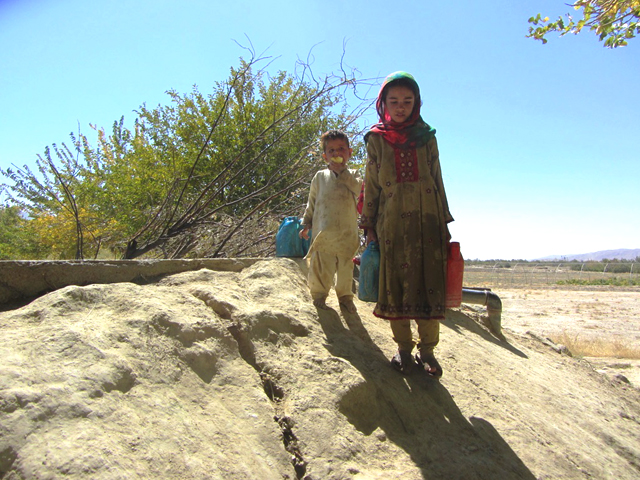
x=332 y=217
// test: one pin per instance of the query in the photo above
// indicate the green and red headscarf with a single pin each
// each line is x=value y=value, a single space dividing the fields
x=412 y=133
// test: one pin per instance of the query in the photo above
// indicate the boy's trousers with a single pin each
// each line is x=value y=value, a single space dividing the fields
x=322 y=269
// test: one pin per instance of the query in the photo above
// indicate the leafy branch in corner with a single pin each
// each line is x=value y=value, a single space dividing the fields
x=613 y=21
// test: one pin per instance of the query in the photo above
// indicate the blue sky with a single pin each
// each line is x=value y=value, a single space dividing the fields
x=538 y=143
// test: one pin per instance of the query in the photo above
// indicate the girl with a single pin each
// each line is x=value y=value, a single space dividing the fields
x=405 y=210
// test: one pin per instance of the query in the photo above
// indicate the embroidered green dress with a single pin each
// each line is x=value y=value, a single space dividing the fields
x=406 y=204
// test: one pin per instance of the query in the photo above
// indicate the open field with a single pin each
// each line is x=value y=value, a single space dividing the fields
x=600 y=324
x=514 y=274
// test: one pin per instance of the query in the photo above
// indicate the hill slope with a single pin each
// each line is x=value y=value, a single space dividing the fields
x=234 y=375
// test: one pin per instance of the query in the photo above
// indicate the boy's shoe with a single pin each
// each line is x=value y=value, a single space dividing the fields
x=403 y=362
x=321 y=303
x=348 y=305
x=428 y=361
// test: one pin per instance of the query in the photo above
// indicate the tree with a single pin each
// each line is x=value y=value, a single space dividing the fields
x=10 y=227
x=206 y=175
x=614 y=21
x=49 y=197
x=255 y=152
x=18 y=238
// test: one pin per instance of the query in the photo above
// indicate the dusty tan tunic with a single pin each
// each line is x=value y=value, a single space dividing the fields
x=331 y=213
x=405 y=201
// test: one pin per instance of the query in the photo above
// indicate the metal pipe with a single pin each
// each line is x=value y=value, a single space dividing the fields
x=484 y=296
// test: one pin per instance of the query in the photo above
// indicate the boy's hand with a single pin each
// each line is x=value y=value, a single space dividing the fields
x=304 y=233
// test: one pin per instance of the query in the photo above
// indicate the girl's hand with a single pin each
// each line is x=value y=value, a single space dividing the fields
x=372 y=236
x=304 y=233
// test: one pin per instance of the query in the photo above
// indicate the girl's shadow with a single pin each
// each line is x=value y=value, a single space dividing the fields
x=415 y=412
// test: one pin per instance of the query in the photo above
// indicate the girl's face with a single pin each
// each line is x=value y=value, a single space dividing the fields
x=399 y=103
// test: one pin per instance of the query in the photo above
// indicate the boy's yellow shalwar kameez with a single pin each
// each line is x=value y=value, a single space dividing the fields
x=331 y=213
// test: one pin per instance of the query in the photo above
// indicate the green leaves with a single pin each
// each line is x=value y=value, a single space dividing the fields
x=205 y=175
x=613 y=21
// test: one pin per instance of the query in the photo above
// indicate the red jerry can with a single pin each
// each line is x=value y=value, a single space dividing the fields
x=455 y=271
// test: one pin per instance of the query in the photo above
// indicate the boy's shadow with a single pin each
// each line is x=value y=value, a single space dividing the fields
x=415 y=412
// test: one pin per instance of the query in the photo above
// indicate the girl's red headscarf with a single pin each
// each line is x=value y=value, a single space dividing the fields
x=413 y=132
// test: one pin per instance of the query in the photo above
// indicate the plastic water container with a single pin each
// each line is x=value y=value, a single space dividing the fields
x=288 y=241
x=369 y=273
x=455 y=272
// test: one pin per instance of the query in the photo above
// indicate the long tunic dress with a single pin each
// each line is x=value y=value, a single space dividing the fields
x=405 y=201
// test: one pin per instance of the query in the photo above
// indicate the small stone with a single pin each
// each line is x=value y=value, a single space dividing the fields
x=621 y=378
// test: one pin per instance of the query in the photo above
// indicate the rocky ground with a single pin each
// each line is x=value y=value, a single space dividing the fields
x=235 y=375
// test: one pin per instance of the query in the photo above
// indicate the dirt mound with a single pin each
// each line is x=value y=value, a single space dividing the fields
x=231 y=375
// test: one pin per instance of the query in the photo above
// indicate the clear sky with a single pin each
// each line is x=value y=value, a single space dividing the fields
x=539 y=144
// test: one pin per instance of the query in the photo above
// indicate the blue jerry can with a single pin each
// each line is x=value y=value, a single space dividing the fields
x=288 y=241
x=369 y=273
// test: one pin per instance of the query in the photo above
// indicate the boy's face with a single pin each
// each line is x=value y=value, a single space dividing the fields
x=336 y=149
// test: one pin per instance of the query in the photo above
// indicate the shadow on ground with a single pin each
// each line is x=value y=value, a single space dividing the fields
x=416 y=412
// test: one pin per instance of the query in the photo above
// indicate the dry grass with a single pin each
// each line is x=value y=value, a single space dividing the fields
x=596 y=347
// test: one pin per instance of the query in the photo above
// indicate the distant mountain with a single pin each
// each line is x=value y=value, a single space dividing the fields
x=620 y=254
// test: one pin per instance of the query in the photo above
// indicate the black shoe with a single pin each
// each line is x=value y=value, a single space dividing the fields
x=403 y=362
x=427 y=361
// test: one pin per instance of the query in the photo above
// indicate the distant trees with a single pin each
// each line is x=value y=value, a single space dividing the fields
x=608 y=265
x=9 y=229
x=206 y=175
x=13 y=237
x=614 y=21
